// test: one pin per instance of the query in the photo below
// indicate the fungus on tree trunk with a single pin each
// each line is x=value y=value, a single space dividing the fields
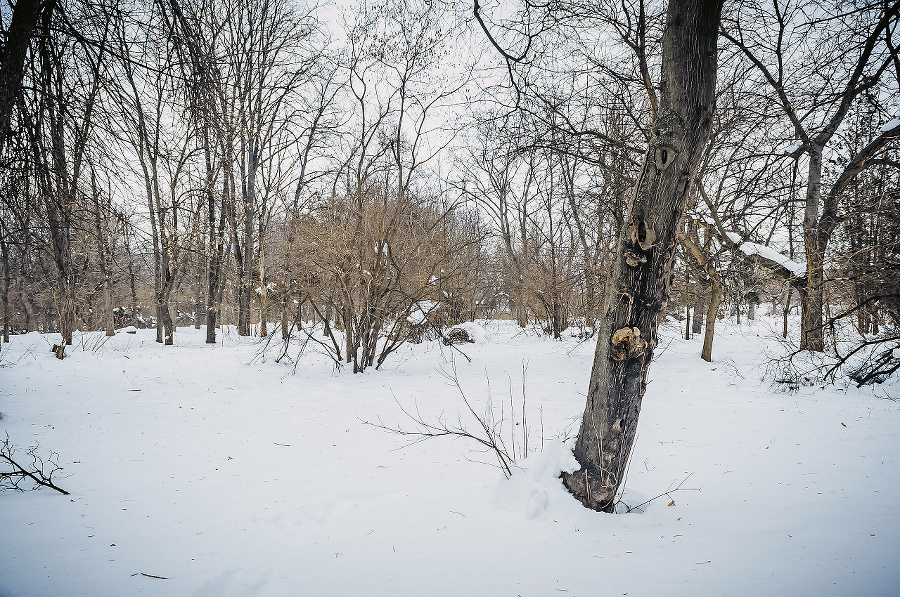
x=638 y=287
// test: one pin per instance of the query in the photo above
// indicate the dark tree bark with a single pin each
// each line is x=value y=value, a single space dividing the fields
x=18 y=39
x=638 y=287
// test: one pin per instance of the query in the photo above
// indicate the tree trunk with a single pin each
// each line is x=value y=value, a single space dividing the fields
x=13 y=56
x=159 y=320
x=28 y=304
x=67 y=310
x=787 y=311
x=7 y=276
x=521 y=306
x=244 y=290
x=107 y=299
x=636 y=293
x=812 y=333
x=263 y=289
x=216 y=241
x=699 y=307
x=716 y=294
x=285 y=302
x=168 y=324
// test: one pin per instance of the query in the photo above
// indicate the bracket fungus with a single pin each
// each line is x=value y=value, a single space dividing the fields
x=627 y=343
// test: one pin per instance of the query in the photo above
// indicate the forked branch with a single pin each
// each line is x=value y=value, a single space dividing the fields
x=40 y=471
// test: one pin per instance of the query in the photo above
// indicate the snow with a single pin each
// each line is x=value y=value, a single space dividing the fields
x=216 y=468
x=748 y=248
x=419 y=312
x=890 y=125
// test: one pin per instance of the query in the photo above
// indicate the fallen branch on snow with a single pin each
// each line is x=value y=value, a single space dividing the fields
x=40 y=471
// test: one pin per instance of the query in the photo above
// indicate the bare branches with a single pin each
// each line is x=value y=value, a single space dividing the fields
x=667 y=493
x=40 y=471
x=489 y=429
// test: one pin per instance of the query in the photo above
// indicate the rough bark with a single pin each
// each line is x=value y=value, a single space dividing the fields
x=638 y=287
x=25 y=16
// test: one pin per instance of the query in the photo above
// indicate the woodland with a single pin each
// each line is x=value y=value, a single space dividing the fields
x=360 y=178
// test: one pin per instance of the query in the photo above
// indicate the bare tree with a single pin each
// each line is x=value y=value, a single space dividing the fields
x=637 y=290
x=163 y=153
x=814 y=85
x=58 y=120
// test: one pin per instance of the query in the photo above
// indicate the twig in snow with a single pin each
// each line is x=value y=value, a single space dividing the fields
x=489 y=432
x=665 y=493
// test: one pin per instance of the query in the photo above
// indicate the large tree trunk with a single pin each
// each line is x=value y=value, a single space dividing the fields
x=25 y=15
x=636 y=293
x=243 y=325
x=168 y=324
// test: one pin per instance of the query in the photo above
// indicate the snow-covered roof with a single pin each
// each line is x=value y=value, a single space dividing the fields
x=748 y=248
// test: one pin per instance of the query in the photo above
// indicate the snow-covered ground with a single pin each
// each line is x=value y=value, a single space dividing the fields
x=226 y=474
